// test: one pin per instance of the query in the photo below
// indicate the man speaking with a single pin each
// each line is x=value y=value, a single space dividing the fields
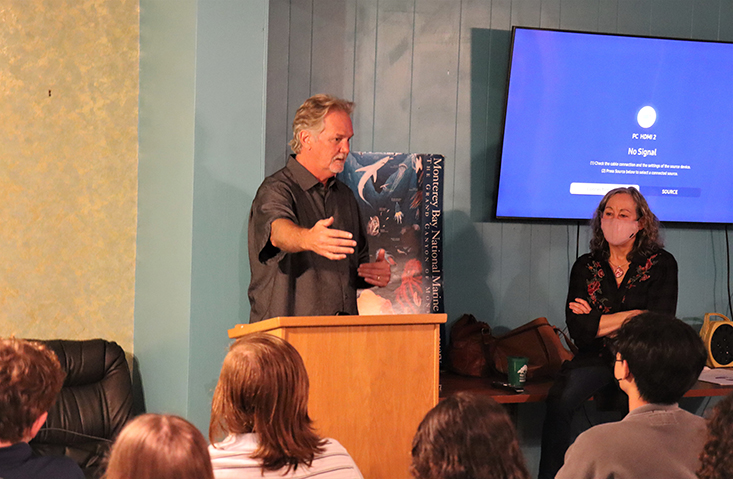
x=308 y=252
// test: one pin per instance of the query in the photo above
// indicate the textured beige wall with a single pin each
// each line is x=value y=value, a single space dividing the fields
x=68 y=168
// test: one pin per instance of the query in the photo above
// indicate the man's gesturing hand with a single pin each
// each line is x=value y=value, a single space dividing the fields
x=321 y=239
x=377 y=273
x=331 y=243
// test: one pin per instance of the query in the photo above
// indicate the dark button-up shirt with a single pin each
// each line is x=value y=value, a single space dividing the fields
x=649 y=284
x=305 y=283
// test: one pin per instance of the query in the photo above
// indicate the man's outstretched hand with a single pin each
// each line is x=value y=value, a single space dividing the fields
x=330 y=243
x=321 y=239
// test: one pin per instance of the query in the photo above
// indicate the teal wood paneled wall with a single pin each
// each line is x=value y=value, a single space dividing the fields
x=429 y=76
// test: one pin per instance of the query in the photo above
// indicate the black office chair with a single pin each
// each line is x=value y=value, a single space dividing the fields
x=94 y=405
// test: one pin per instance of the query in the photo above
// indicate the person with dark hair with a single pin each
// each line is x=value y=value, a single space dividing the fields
x=30 y=380
x=658 y=358
x=467 y=436
x=159 y=446
x=308 y=251
x=716 y=459
x=260 y=406
x=626 y=272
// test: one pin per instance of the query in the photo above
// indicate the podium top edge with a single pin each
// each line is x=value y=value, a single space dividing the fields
x=333 y=321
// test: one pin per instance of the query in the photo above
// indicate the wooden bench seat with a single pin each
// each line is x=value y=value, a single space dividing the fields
x=536 y=391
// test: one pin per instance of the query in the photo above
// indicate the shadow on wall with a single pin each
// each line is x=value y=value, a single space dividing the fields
x=468 y=272
x=138 y=394
x=244 y=274
x=309 y=50
x=489 y=65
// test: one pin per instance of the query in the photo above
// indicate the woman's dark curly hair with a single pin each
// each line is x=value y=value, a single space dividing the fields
x=716 y=459
x=647 y=239
x=467 y=437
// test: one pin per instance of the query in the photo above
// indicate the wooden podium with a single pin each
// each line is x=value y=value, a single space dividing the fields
x=372 y=379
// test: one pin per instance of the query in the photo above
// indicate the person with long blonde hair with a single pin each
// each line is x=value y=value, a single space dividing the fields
x=155 y=446
x=259 y=417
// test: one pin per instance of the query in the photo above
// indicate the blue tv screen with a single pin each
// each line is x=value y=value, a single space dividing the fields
x=589 y=112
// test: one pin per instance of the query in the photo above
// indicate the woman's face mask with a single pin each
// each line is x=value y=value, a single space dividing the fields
x=619 y=231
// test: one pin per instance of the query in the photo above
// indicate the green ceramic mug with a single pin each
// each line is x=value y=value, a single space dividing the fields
x=517 y=370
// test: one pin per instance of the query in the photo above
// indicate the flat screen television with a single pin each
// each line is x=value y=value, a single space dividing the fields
x=587 y=112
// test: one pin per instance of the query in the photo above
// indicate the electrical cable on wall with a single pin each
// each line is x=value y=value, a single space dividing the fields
x=727 y=265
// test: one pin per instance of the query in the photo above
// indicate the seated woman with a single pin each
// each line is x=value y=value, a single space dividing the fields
x=260 y=405
x=716 y=458
x=626 y=272
x=154 y=446
x=467 y=436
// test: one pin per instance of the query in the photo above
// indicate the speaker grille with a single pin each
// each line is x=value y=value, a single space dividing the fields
x=721 y=344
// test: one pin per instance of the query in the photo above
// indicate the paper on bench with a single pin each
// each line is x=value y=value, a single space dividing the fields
x=721 y=376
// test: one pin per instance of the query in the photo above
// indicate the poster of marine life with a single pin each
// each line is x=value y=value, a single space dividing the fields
x=401 y=201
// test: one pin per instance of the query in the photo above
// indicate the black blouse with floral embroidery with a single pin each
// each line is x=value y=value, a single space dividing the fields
x=649 y=284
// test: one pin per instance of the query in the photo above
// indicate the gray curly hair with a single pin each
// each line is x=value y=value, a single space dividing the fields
x=311 y=113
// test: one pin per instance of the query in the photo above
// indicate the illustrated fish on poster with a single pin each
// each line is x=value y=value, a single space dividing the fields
x=400 y=198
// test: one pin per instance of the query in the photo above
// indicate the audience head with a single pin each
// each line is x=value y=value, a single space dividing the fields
x=30 y=379
x=467 y=437
x=154 y=446
x=664 y=355
x=263 y=389
x=647 y=238
x=311 y=113
x=716 y=458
